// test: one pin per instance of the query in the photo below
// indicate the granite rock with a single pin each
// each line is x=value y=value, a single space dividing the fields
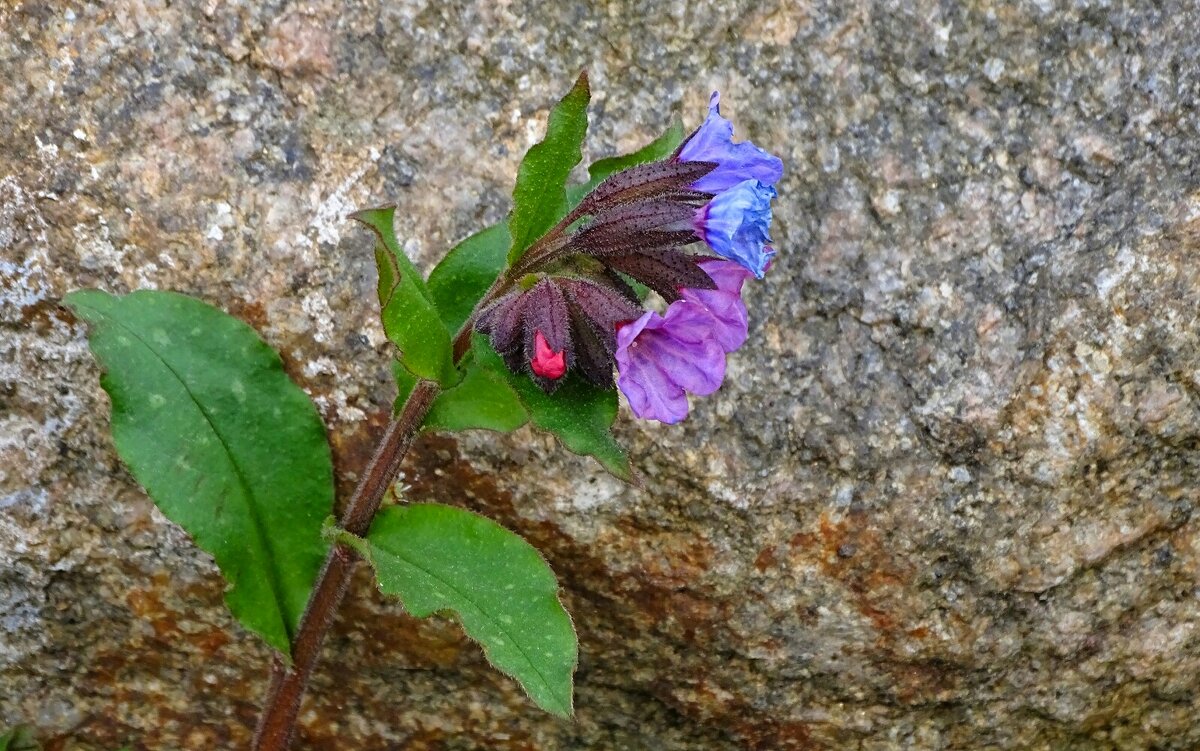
x=946 y=499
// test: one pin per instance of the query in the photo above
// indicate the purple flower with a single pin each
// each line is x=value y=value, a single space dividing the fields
x=662 y=358
x=730 y=323
x=736 y=222
x=736 y=162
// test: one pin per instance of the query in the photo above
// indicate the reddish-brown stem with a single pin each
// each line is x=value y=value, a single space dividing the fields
x=462 y=342
x=287 y=686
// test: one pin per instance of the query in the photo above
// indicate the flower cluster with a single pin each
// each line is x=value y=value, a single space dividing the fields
x=575 y=309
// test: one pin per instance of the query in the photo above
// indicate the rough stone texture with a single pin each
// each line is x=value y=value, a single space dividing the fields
x=946 y=499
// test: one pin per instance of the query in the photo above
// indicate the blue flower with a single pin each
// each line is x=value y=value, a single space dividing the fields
x=713 y=142
x=736 y=225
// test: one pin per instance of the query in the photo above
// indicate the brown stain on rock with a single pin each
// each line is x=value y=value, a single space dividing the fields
x=766 y=559
x=852 y=552
x=43 y=314
x=390 y=637
x=769 y=734
x=180 y=646
x=352 y=445
x=657 y=597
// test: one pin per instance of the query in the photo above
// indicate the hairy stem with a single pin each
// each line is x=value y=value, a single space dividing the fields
x=287 y=686
x=462 y=341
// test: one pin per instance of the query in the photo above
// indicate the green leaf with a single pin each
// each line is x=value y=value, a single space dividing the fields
x=19 y=738
x=540 y=196
x=405 y=383
x=466 y=273
x=483 y=400
x=491 y=397
x=226 y=445
x=438 y=558
x=410 y=318
x=578 y=414
x=660 y=148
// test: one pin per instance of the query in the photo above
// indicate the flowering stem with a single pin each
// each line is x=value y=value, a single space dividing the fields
x=287 y=685
x=462 y=341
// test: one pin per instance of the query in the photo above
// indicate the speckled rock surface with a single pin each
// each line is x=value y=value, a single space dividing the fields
x=947 y=499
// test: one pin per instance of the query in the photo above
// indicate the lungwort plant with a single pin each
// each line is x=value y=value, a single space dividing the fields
x=524 y=322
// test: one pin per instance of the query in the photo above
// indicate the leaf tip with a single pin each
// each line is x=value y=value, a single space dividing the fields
x=623 y=471
x=75 y=299
x=562 y=707
x=375 y=218
x=611 y=455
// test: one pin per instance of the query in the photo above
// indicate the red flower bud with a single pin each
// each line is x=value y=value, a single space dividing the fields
x=546 y=362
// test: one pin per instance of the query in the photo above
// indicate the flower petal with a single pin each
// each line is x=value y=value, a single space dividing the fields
x=736 y=225
x=731 y=323
x=547 y=362
x=729 y=276
x=659 y=358
x=651 y=392
x=713 y=142
x=687 y=350
x=628 y=332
